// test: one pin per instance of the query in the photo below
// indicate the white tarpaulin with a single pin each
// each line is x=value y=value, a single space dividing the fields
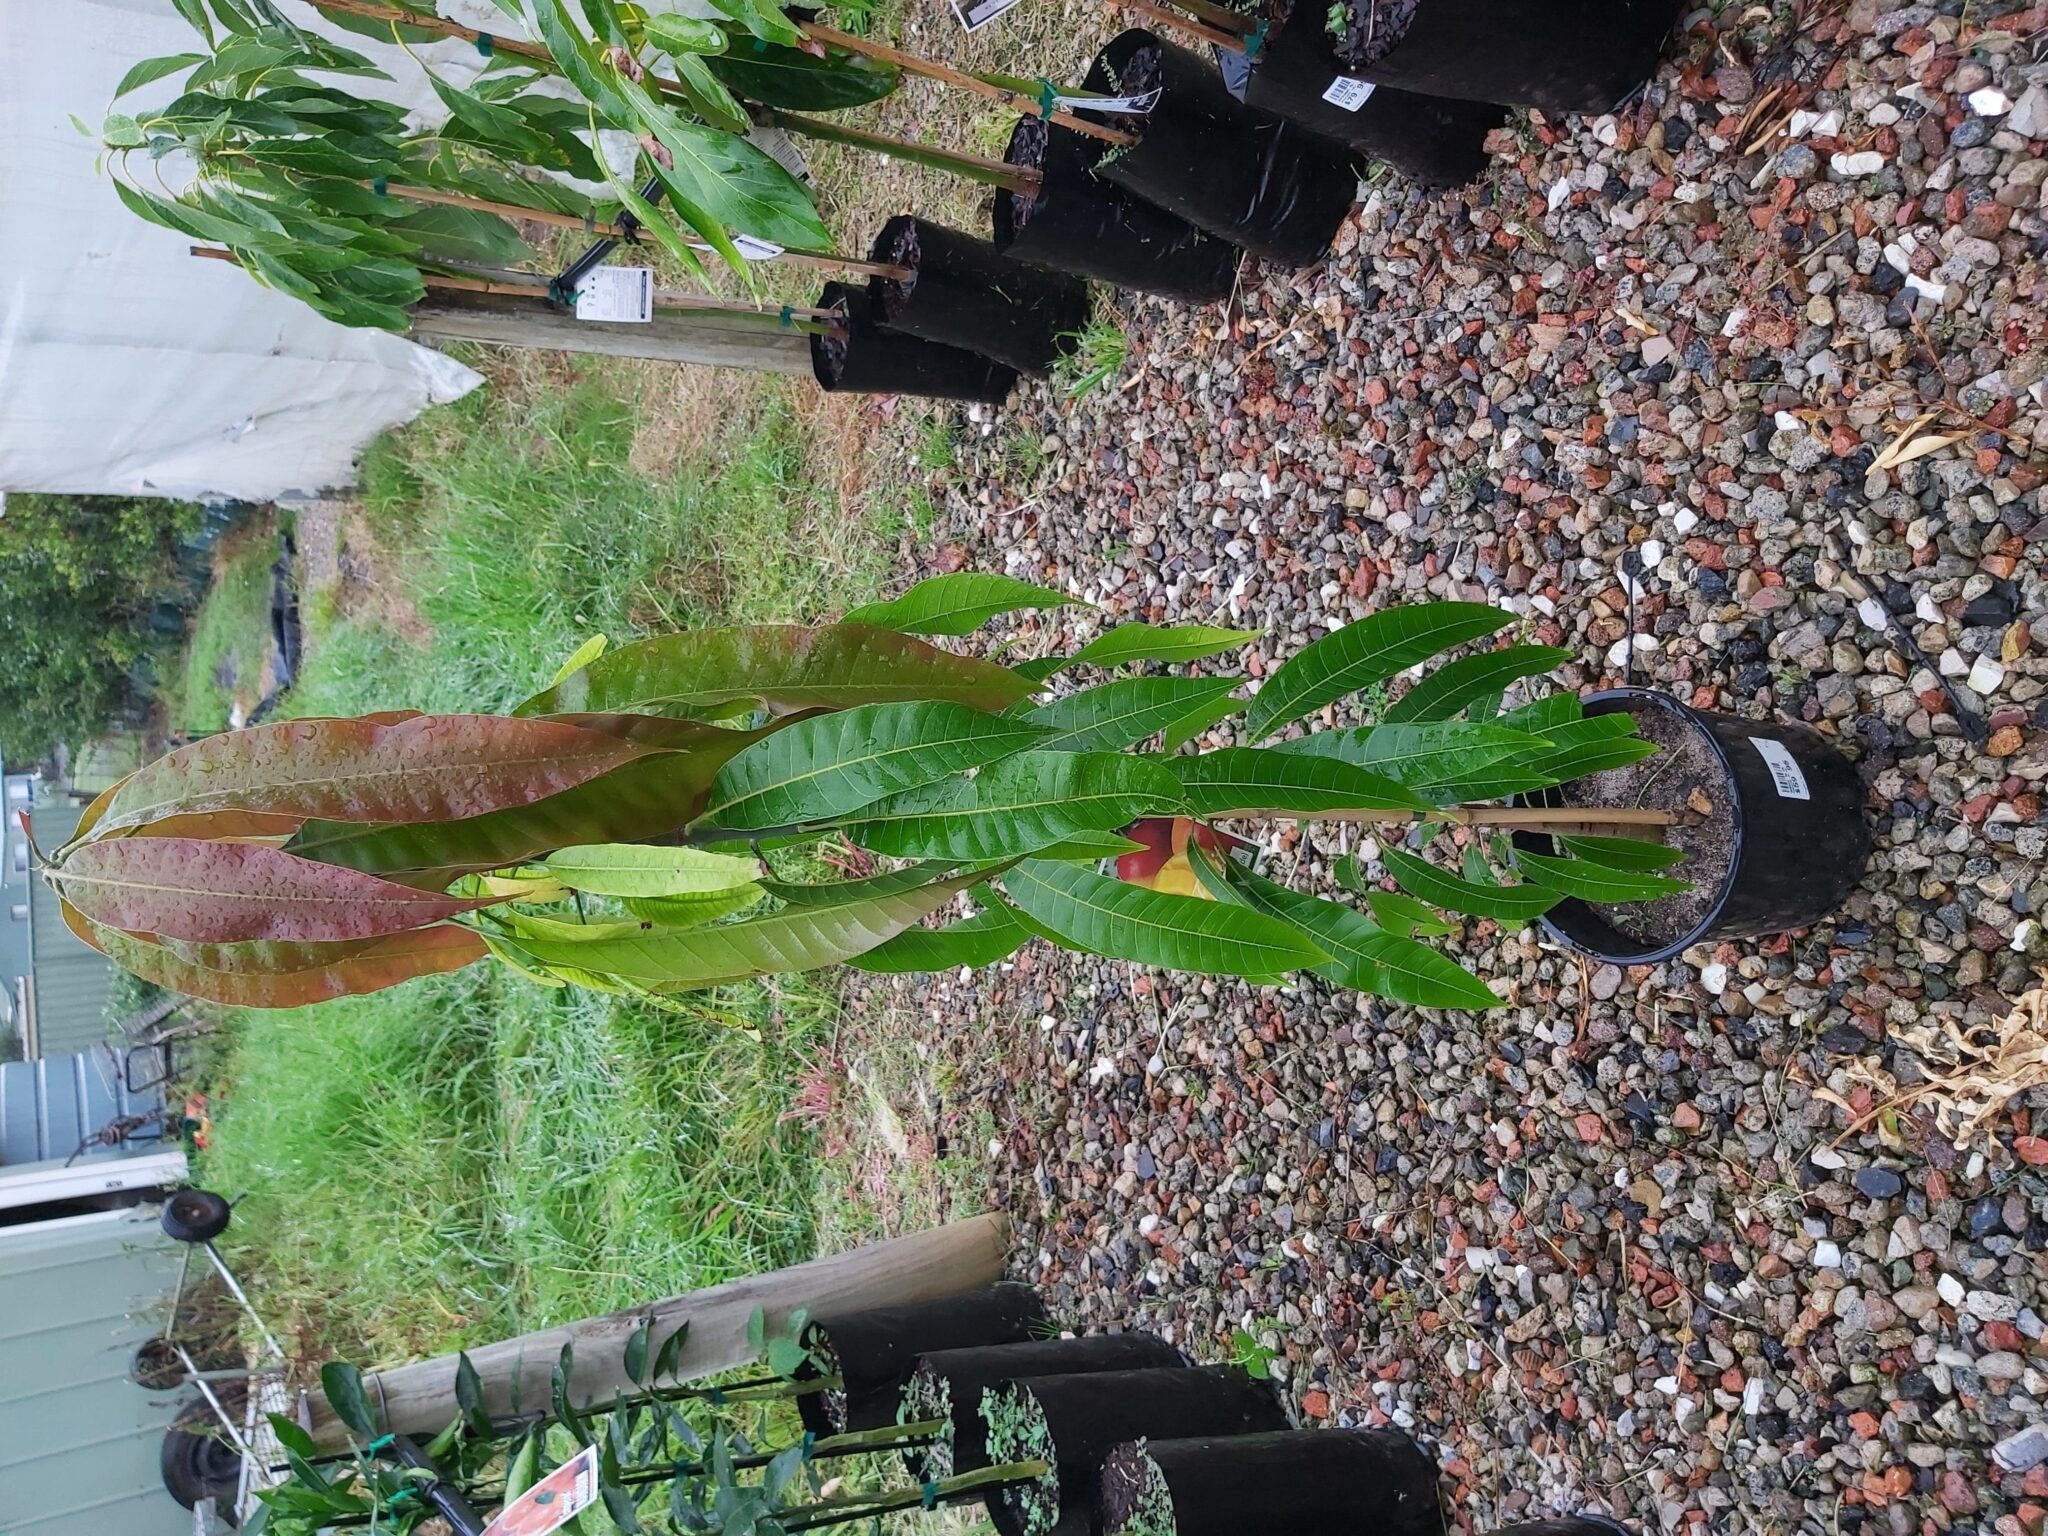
x=126 y=364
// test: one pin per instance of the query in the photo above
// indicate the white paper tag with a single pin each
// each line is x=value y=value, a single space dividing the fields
x=555 y=1500
x=1785 y=774
x=981 y=12
x=781 y=148
x=1348 y=93
x=754 y=248
x=617 y=294
x=1144 y=101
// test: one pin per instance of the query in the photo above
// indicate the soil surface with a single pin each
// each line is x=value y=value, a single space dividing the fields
x=1654 y=1241
x=1372 y=29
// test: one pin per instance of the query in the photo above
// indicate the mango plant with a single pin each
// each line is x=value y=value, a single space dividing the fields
x=657 y=818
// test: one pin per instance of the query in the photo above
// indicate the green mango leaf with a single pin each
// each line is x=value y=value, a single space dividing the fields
x=786 y=1357
x=1136 y=642
x=796 y=81
x=343 y=1385
x=1405 y=917
x=783 y=667
x=463 y=234
x=799 y=939
x=1100 y=916
x=958 y=604
x=1189 y=726
x=155 y=69
x=1121 y=714
x=840 y=893
x=1508 y=904
x=1248 y=780
x=469 y=1387
x=831 y=765
x=1016 y=806
x=1445 y=692
x=559 y=1384
x=674 y=33
x=763 y=19
x=1595 y=882
x=707 y=93
x=1539 y=716
x=1632 y=853
x=634 y=869
x=693 y=911
x=1089 y=848
x=1442 y=760
x=976 y=941
x=1367 y=652
x=1579 y=747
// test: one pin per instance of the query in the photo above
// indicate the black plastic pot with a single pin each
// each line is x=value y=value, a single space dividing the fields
x=1319 y=1482
x=874 y=1352
x=1079 y=224
x=1557 y=55
x=1800 y=838
x=1429 y=139
x=952 y=1381
x=1243 y=175
x=1084 y=1418
x=867 y=360
x=963 y=294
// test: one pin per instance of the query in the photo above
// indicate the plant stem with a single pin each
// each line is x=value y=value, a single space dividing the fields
x=995 y=173
x=867 y=1506
x=1016 y=101
x=891 y=1437
x=1533 y=818
x=1229 y=42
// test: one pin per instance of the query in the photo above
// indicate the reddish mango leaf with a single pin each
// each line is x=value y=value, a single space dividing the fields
x=225 y=893
x=784 y=667
x=222 y=825
x=424 y=768
x=271 y=975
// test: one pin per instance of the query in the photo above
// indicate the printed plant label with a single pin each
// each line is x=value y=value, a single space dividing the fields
x=617 y=294
x=1348 y=93
x=1785 y=774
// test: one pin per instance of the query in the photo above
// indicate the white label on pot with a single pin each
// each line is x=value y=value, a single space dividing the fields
x=779 y=147
x=1785 y=772
x=1144 y=101
x=1348 y=93
x=617 y=294
x=754 y=248
x=981 y=12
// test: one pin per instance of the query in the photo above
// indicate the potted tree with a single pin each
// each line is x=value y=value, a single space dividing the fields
x=667 y=782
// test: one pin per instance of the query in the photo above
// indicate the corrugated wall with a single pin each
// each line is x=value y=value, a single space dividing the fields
x=72 y=978
x=47 y=1107
x=79 y=1442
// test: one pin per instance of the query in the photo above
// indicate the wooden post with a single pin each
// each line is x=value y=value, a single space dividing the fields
x=420 y=1398
x=718 y=340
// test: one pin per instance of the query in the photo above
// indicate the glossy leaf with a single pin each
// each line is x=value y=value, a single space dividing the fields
x=835 y=764
x=155 y=69
x=799 y=939
x=1090 y=847
x=670 y=1355
x=1595 y=882
x=693 y=911
x=1590 y=745
x=840 y=893
x=1016 y=806
x=1243 y=780
x=1189 y=726
x=1136 y=642
x=1121 y=714
x=1446 y=690
x=783 y=667
x=635 y=869
x=674 y=33
x=342 y=1384
x=976 y=941
x=1622 y=852
x=1102 y=916
x=1405 y=917
x=224 y=893
x=1428 y=757
x=796 y=81
x=265 y=975
x=582 y=657
x=1508 y=904
x=958 y=604
x=426 y=768
x=1367 y=652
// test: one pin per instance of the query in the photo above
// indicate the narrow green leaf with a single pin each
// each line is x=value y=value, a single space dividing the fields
x=1016 y=806
x=1197 y=721
x=1508 y=904
x=832 y=765
x=634 y=869
x=795 y=81
x=983 y=939
x=1244 y=780
x=1138 y=641
x=1121 y=714
x=636 y=1352
x=957 y=604
x=1405 y=917
x=1633 y=853
x=840 y=893
x=670 y=1355
x=1364 y=653
x=674 y=33
x=1443 y=693
x=693 y=911
x=1101 y=916
x=469 y=1388
x=1429 y=758
x=343 y=1385
x=559 y=1384
x=1595 y=882
x=523 y=1470
x=1090 y=848
x=155 y=69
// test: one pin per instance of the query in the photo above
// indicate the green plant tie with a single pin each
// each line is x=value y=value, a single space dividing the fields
x=810 y=1439
x=1048 y=98
x=485 y=44
x=717 y=1397
x=1254 y=41
x=408 y=1492
x=378 y=1444
x=760 y=45
x=931 y=1494
x=381 y=186
x=788 y=314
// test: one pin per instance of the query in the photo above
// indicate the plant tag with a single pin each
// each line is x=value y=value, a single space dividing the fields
x=781 y=148
x=1144 y=101
x=1348 y=93
x=754 y=248
x=980 y=13
x=1785 y=774
x=617 y=294
x=555 y=1500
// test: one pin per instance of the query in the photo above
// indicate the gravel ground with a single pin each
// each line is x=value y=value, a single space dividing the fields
x=1631 y=1244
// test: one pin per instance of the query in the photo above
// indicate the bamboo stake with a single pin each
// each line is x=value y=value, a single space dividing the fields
x=1017 y=101
x=805 y=1517
x=997 y=173
x=1229 y=42
x=369 y=10
x=1534 y=818
x=1220 y=16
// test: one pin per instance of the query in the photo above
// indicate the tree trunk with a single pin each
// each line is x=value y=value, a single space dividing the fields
x=718 y=340
x=420 y=1398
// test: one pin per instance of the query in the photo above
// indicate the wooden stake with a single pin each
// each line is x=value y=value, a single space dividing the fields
x=1229 y=42
x=1017 y=101
x=1531 y=818
x=369 y=10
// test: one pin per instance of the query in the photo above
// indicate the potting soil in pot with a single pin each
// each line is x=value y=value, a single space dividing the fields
x=862 y=358
x=1371 y=29
x=1688 y=779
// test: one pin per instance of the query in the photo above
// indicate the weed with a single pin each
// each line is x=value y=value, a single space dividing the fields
x=1100 y=352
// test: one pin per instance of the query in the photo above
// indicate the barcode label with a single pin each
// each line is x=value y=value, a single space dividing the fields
x=617 y=294
x=1348 y=93
x=1785 y=774
x=779 y=147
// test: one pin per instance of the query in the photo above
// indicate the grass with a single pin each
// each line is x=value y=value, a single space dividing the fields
x=231 y=642
x=470 y=1157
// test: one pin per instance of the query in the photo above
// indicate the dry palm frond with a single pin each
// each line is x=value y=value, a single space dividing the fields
x=1971 y=1073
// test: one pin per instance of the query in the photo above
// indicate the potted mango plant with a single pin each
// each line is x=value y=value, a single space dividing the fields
x=640 y=824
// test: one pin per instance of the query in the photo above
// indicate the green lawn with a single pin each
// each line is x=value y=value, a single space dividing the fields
x=231 y=639
x=471 y=1156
